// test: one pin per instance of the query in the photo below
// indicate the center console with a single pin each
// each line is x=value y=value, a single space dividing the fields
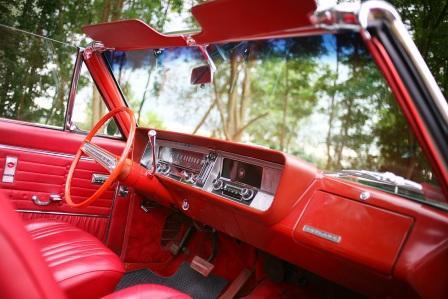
x=245 y=180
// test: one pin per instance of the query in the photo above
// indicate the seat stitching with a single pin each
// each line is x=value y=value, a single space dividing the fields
x=59 y=247
x=57 y=263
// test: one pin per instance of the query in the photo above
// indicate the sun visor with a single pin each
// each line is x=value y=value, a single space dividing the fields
x=131 y=35
x=224 y=20
x=220 y=20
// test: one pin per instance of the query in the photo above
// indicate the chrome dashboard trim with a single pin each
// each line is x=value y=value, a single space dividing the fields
x=251 y=160
x=270 y=179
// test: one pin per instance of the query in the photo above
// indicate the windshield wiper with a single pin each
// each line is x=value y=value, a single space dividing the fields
x=389 y=181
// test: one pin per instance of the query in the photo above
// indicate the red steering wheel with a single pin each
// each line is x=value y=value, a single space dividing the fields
x=113 y=164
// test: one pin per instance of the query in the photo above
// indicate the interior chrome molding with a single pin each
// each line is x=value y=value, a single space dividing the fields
x=379 y=10
x=29 y=124
x=100 y=155
x=42 y=152
x=62 y=213
x=336 y=18
x=73 y=88
x=270 y=180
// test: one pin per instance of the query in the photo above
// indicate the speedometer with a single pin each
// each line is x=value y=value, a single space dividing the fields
x=185 y=159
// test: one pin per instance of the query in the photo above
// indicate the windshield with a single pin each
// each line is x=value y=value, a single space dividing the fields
x=320 y=98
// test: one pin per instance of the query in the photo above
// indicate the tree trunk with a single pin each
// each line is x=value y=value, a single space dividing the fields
x=232 y=113
x=332 y=108
x=98 y=107
x=285 y=109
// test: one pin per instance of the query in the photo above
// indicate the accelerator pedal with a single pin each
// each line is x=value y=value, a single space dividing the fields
x=201 y=266
x=204 y=266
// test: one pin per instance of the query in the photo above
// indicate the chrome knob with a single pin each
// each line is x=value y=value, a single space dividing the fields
x=218 y=184
x=246 y=194
x=188 y=176
x=164 y=168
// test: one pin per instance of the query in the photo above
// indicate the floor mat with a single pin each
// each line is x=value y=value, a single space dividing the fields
x=185 y=280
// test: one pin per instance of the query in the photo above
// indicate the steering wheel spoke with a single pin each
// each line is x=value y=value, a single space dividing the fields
x=100 y=155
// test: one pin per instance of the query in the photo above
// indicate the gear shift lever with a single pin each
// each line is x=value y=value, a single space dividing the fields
x=152 y=141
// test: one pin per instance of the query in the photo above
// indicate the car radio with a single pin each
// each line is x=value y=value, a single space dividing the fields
x=238 y=180
x=234 y=190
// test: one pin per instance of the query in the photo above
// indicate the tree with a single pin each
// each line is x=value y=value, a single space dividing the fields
x=22 y=84
x=428 y=23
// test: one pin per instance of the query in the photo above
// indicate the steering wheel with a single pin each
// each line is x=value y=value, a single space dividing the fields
x=109 y=161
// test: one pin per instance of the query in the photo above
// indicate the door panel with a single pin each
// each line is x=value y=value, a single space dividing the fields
x=43 y=159
x=47 y=139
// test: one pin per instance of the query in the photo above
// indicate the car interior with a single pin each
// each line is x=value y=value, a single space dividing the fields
x=118 y=209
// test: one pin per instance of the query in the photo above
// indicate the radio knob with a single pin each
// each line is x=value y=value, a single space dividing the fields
x=188 y=176
x=246 y=194
x=218 y=184
x=165 y=168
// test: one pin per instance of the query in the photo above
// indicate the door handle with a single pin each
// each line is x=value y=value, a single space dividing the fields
x=54 y=198
x=99 y=179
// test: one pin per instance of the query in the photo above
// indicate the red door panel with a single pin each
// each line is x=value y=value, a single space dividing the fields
x=46 y=139
x=44 y=157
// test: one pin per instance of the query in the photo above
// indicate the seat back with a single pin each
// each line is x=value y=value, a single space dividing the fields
x=23 y=272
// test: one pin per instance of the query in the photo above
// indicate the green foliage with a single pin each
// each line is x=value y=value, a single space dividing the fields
x=428 y=22
x=34 y=71
x=153 y=120
x=335 y=114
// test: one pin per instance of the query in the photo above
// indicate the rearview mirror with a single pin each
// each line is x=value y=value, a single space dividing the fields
x=201 y=75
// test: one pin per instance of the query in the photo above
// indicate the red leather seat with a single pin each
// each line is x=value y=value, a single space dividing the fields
x=25 y=274
x=80 y=263
x=152 y=291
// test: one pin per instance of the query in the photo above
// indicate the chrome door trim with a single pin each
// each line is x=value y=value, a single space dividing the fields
x=42 y=152
x=73 y=89
x=30 y=124
x=62 y=213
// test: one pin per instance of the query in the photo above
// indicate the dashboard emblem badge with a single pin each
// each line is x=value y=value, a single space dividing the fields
x=322 y=234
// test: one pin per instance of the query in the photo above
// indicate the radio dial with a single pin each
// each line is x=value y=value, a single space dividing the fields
x=164 y=168
x=188 y=176
x=246 y=194
x=218 y=184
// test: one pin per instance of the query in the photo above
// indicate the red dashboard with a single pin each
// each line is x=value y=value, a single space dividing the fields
x=363 y=238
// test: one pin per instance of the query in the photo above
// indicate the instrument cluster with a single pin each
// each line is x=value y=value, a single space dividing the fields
x=245 y=180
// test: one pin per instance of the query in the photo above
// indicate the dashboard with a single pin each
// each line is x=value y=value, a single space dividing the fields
x=247 y=181
x=288 y=208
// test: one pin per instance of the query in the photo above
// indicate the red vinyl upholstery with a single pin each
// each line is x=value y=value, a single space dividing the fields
x=152 y=291
x=25 y=274
x=80 y=263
